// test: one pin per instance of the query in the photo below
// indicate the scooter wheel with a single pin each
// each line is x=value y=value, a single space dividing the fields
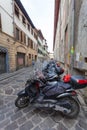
x=75 y=109
x=21 y=102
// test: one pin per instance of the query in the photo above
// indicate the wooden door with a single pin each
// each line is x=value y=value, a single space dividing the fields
x=2 y=62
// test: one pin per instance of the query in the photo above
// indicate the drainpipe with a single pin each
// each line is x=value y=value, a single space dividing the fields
x=72 y=38
x=60 y=33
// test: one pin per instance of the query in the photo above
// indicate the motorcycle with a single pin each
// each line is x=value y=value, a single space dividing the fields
x=51 y=72
x=58 y=96
x=52 y=68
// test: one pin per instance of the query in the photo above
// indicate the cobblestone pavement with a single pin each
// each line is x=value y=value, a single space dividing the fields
x=29 y=118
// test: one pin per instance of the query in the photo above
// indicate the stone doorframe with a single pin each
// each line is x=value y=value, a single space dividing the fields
x=3 y=49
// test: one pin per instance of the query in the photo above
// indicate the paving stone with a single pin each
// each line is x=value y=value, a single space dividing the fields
x=69 y=122
x=5 y=82
x=27 y=126
x=11 y=104
x=82 y=116
x=47 y=124
x=37 y=110
x=61 y=127
x=12 y=107
x=37 y=128
x=8 y=91
x=36 y=119
x=4 y=110
x=30 y=114
x=82 y=123
x=85 y=113
x=9 y=98
x=13 y=118
x=10 y=113
x=43 y=114
x=2 y=107
x=1 y=91
x=21 y=120
x=15 y=91
x=53 y=129
x=15 y=86
x=57 y=117
x=77 y=127
x=27 y=109
x=4 y=123
x=11 y=126
x=16 y=110
x=1 y=102
x=16 y=115
x=2 y=117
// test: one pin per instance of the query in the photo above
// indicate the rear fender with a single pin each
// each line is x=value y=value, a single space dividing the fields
x=71 y=94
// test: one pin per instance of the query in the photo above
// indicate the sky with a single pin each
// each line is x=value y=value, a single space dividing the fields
x=41 y=13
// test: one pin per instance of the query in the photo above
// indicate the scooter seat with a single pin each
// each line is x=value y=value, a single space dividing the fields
x=55 y=88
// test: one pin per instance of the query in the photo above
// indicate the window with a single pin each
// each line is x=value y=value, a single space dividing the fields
x=17 y=34
x=32 y=56
x=29 y=56
x=35 y=36
x=28 y=27
x=28 y=42
x=36 y=47
x=21 y=36
x=24 y=38
x=16 y=11
x=0 y=23
x=31 y=44
x=31 y=31
x=23 y=20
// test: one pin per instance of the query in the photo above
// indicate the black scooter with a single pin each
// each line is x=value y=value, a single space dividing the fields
x=58 y=96
x=52 y=68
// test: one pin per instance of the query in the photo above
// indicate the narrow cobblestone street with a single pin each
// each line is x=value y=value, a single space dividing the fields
x=29 y=118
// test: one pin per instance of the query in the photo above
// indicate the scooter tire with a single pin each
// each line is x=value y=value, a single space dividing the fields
x=21 y=101
x=75 y=109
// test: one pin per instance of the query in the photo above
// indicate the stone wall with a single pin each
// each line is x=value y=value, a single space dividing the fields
x=13 y=47
x=7 y=42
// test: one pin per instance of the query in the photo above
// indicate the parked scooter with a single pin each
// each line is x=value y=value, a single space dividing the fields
x=54 y=76
x=58 y=96
x=52 y=67
x=52 y=72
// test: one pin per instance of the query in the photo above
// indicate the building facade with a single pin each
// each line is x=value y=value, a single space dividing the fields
x=18 y=37
x=51 y=55
x=70 y=41
x=42 y=47
x=70 y=34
